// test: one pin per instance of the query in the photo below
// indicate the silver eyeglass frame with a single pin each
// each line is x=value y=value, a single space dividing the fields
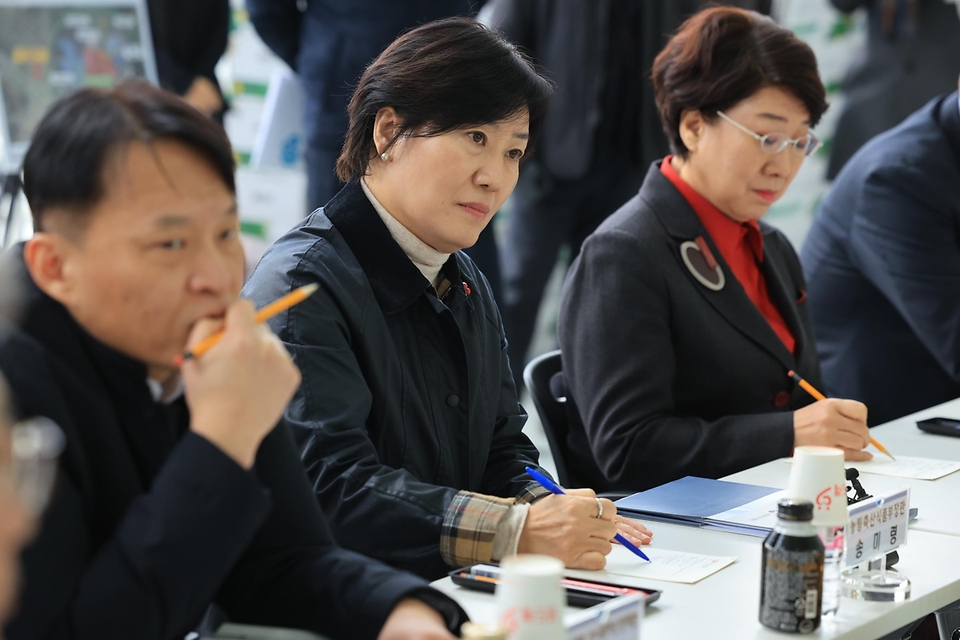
x=788 y=141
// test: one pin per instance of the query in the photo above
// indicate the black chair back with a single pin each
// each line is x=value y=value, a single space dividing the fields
x=544 y=379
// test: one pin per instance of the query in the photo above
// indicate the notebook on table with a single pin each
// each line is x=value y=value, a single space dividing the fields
x=701 y=502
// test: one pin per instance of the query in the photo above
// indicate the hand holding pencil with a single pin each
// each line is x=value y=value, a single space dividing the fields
x=278 y=306
x=833 y=422
x=239 y=389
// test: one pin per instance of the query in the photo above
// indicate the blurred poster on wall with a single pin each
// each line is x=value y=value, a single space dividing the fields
x=49 y=48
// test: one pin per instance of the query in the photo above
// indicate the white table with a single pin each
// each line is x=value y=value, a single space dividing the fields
x=726 y=604
x=938 y=501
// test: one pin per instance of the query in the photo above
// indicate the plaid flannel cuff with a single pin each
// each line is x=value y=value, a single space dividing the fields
x=531 y=494
x=469 y=527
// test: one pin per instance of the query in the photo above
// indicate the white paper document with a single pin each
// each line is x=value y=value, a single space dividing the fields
x=670 y=566
x=907 y=467
x=761 y=513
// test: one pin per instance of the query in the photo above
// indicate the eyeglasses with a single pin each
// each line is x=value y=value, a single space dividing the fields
x=35 y=445
x=774 y=143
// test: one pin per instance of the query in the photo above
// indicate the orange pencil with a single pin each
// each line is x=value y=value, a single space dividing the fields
x=277 y=306
x=809 y=388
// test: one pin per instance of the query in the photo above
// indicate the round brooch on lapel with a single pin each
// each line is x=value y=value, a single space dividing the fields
x=702 y=265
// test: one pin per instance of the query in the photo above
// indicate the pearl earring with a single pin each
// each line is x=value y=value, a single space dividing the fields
x=384 y=156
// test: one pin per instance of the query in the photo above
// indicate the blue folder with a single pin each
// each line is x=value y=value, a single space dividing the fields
x=693 y=501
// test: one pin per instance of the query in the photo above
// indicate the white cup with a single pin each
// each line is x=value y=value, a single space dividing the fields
x=530 y=599
x=818 y=476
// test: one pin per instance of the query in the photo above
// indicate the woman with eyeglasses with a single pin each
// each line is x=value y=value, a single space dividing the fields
x=683 y=314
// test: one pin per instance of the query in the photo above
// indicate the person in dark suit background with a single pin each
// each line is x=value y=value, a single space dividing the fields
x=176 y=490
x=683 y=313
x=601 y=131
x=189 y=37
x=882 y=259
x=591 y=143
x=912 y=54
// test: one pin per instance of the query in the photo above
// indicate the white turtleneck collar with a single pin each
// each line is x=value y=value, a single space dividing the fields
x=427 y=259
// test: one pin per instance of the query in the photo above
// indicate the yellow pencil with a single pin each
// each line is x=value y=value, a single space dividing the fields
x=809 y=388
x=277 y=306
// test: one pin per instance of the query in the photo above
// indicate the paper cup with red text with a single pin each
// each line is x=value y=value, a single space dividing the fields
x=530 y=599
x=818 y=475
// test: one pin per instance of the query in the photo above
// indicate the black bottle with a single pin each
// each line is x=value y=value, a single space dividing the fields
x=791 y=585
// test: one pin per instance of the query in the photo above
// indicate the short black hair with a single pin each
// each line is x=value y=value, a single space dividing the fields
x=441 y=76
x=723 y=55
x=64 y=166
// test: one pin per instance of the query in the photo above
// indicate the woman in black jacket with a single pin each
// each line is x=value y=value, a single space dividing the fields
x=683 y=315
x=407 y=417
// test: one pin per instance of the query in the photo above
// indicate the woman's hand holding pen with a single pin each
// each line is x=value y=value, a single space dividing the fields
x=567 y=527
x=633 y=530
x=834 y=423
x=240 y=388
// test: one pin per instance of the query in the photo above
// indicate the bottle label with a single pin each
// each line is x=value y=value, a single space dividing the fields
x=791 y=592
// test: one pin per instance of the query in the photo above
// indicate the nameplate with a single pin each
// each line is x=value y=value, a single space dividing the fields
x=877 y=526
x=618 y=619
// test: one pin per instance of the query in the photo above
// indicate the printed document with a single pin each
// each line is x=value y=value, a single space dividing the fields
x=670 y=566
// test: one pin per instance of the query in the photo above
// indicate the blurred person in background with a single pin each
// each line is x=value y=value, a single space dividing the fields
x=589 y=160
x=189 y=37
x=601 y=131
x=912 y=54
x=882 y=259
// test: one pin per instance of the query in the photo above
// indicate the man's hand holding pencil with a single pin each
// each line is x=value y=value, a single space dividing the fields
x=238 y=390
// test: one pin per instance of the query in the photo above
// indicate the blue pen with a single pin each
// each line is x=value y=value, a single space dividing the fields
x=552 y=487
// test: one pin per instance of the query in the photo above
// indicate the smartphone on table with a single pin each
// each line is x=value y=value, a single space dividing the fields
x=941 y=426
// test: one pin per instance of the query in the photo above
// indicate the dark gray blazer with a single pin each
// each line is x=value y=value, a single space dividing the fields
x=670 y=378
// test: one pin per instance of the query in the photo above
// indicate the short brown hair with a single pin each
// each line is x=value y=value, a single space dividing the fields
x=723 y=55
x=444 y=75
